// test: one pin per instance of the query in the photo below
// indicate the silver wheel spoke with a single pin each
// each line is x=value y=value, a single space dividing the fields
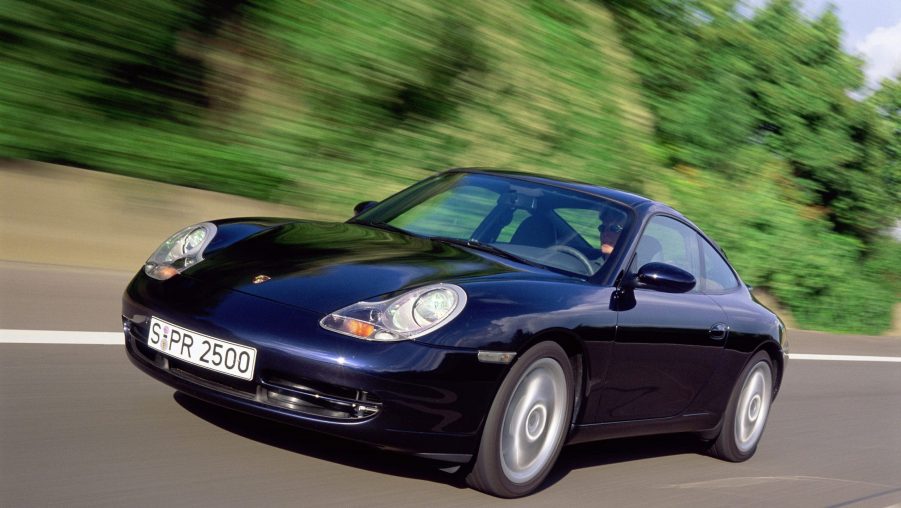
x=533 y=421
x=753 y=407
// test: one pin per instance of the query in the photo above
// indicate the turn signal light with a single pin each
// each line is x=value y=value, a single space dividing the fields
x=358 y=328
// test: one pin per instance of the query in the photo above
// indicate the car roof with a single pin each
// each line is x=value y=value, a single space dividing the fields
x=626 y=198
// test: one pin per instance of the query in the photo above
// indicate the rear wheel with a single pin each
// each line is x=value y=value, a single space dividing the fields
x=747 y=412
x=526 y=425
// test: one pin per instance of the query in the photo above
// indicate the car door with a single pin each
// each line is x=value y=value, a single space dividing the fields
x=667 y=344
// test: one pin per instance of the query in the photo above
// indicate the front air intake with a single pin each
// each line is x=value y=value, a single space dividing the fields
x=337 y=402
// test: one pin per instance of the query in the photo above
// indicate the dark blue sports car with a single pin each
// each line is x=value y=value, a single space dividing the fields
x=478 y=317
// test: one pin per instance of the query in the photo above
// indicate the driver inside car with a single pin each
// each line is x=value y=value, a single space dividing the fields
x=610 y=228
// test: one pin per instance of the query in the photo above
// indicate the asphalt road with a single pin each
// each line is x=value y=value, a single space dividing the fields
x=79 y=426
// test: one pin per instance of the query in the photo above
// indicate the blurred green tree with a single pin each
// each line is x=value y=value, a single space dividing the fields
x=761 y=103
x=323 y=104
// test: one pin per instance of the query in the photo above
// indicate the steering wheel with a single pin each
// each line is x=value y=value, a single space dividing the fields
x=566 y=249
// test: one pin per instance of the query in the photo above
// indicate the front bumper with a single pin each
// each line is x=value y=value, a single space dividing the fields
x=405 y=396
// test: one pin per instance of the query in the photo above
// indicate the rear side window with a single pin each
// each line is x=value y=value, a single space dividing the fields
x=717 y=274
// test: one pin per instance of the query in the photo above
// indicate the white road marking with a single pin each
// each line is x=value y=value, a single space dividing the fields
x=58 y=337
x=751 y=481
x=844 y=358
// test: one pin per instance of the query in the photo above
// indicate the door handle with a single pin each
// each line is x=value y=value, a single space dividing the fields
x=719 y=331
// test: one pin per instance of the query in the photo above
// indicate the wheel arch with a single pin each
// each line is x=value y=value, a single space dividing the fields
x=575 y=350
x=488 y=472
x=777 y=358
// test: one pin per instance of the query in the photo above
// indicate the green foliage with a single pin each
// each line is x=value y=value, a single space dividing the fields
x=107 y=85
x=719 y=82
x=759 y=104
x=315 y=102
x=831 y=281
x=323 y=104
x=886 y=139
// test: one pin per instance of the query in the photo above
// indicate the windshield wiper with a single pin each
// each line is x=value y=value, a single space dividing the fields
x=485 y=247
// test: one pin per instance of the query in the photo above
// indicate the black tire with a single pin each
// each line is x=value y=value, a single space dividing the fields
x=543 y=423
x=747 y=411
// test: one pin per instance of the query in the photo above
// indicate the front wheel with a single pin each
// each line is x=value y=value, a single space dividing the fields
x=526 y=425
x=747 y=412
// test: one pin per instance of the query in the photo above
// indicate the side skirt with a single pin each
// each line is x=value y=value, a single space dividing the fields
x=697 y=422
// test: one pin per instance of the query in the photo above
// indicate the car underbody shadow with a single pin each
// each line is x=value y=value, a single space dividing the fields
x=321 y=446
x=613 y=451
x=362 y=456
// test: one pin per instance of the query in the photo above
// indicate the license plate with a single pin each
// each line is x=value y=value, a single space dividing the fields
x=202 y=350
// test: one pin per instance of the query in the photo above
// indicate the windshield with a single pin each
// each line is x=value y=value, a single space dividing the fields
x=540 y=224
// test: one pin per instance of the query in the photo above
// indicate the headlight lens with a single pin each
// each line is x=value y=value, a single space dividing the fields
x=408 y=316
x=180 y=251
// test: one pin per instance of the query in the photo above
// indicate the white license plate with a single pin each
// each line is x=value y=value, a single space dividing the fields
x=202 y=350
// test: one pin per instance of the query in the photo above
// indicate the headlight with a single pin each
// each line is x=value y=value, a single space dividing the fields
x=180 y=251
x=410 y=315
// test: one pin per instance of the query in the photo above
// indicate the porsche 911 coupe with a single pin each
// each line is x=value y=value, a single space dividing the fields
x=478 y=317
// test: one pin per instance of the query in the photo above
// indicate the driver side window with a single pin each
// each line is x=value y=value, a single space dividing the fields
x=666 y=240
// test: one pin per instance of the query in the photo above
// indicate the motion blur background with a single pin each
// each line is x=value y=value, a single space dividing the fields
x=754 y=119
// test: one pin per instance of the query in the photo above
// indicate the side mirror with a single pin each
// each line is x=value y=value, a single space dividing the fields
x=663 y=277
x=363 y=206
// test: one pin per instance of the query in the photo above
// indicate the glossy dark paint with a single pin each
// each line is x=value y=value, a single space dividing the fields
x=659 y=366
x=649 y=360
x=662 y=277
x=363 y=206
x=325 y=266
x=418 y=383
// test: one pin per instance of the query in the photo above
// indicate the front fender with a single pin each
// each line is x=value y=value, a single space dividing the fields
x=509 y=315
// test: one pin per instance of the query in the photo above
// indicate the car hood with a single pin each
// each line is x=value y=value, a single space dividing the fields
x=326 y=266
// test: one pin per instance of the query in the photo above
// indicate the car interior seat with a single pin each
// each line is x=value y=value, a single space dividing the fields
x=535 y=231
